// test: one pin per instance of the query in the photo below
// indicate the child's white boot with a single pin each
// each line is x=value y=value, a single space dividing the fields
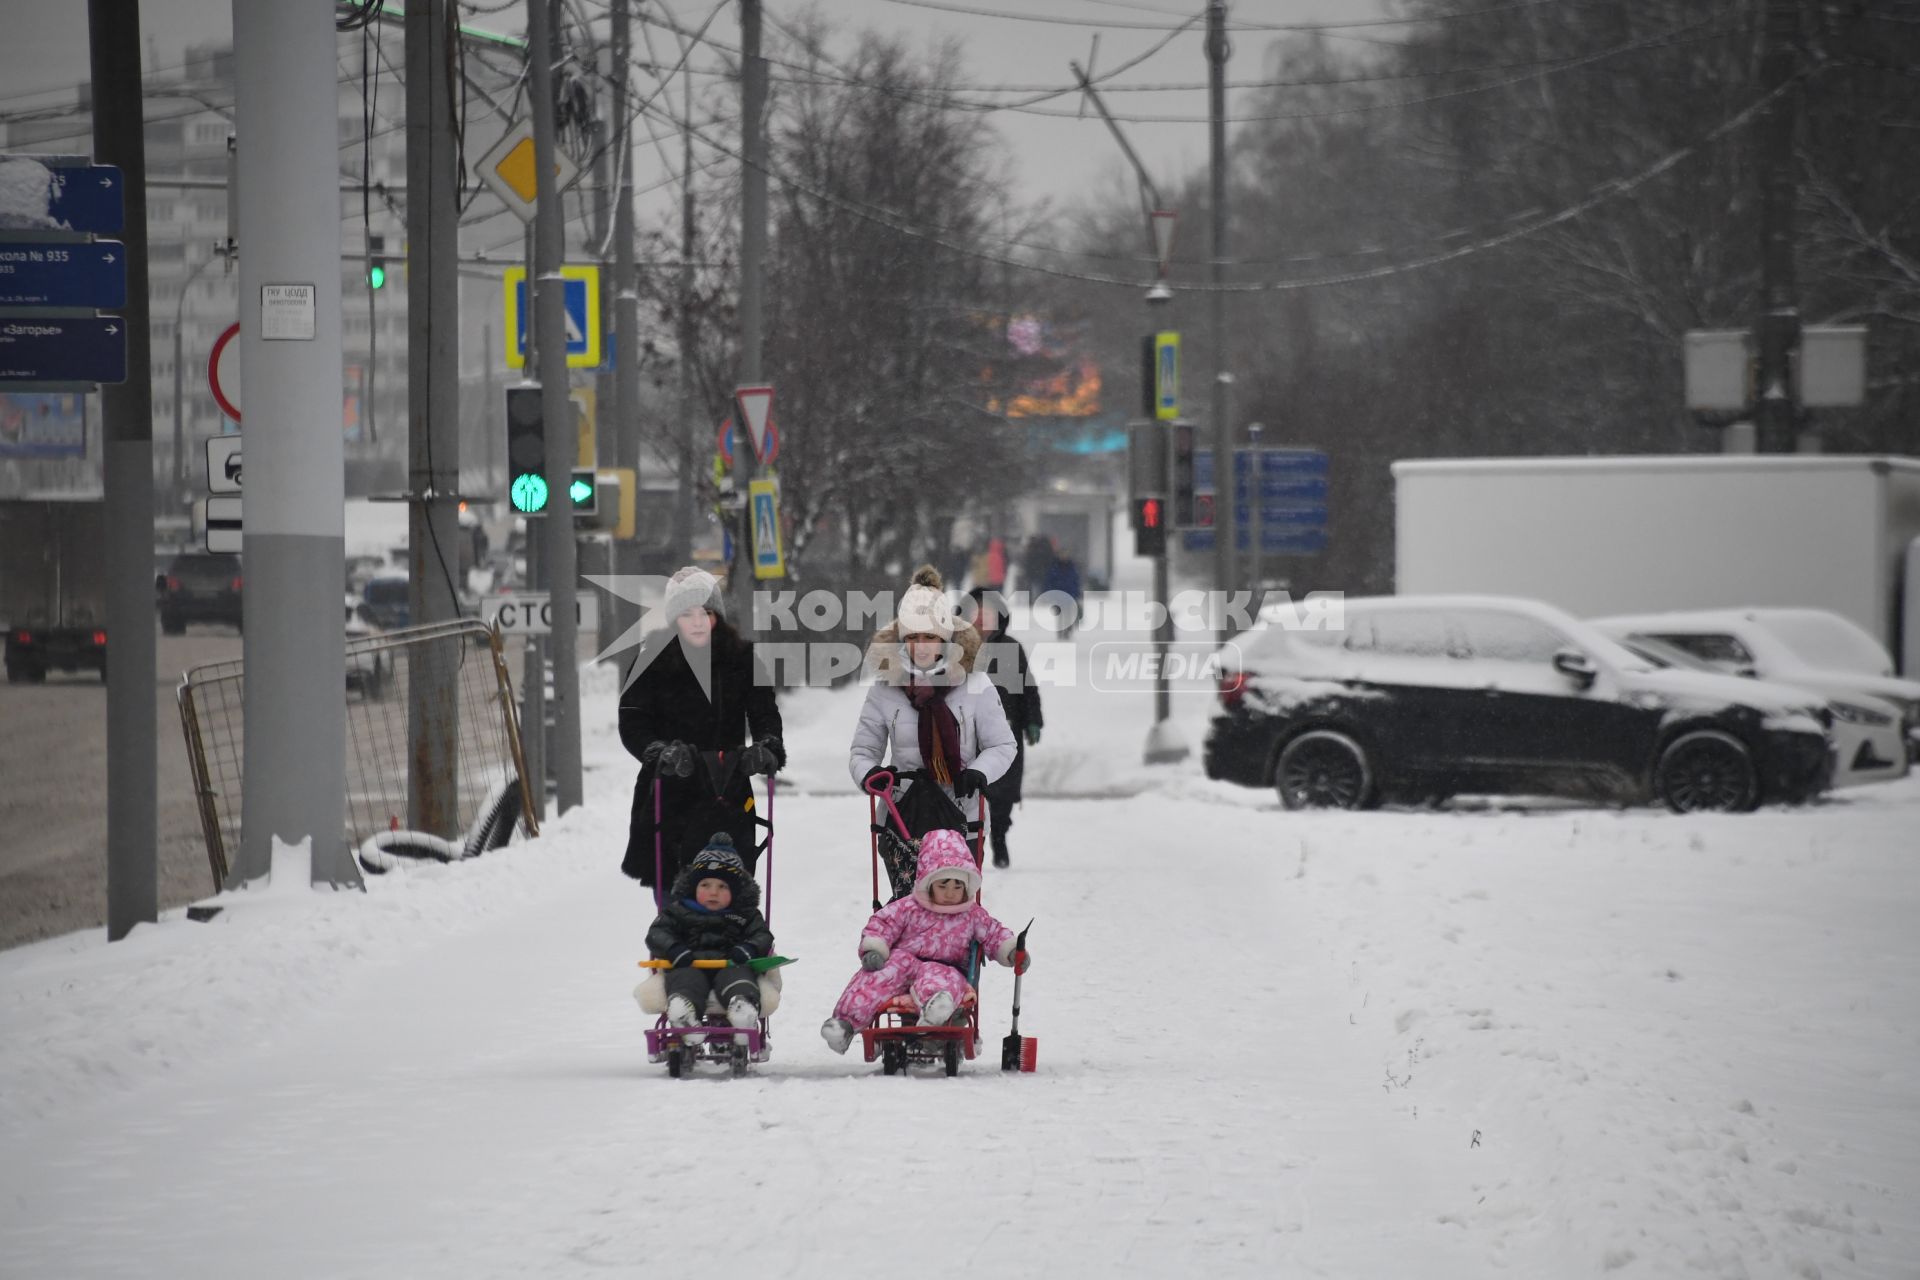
x=681 y=1013
x=838 y=1033
x=935 y=1012
x=742 y=1013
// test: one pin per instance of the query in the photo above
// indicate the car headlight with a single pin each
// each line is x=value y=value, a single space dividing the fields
x=1852 y=713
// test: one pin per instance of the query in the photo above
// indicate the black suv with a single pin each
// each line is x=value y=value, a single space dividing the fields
x=1419 y=698
x=199 y=587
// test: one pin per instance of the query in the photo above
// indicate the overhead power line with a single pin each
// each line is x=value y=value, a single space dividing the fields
x=945 y=7
x=1526 y=225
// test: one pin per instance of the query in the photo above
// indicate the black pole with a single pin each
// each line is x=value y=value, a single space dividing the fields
x=119 y=138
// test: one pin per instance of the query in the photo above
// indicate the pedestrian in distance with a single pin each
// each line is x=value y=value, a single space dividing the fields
x=929 y=719
x=920 y=944
x=712 y=912
x=1003 y=660
x=1063 y=579
x=692 y=694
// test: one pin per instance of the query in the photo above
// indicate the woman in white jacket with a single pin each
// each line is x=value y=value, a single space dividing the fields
x=942 y=720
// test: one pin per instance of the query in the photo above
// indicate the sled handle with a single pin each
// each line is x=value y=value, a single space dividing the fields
x=698 y=964
x=659 y=854
x=885 y=793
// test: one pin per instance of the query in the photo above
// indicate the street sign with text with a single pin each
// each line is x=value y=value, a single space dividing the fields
x=44 y=194
x=86 y=349
x=530 y=613
x=63 y=275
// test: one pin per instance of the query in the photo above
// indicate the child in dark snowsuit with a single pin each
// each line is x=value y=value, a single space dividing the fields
x=712 y=913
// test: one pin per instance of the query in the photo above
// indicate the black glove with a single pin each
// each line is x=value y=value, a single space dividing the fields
x=683 y=959
x=764 y=756
x=675 y=760
x=741 y=954
x=878 y=771
x=969 y=783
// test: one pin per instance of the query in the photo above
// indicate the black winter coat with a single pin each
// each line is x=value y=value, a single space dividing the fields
x=1001 y=655
x=710 y=935
x=666 y=704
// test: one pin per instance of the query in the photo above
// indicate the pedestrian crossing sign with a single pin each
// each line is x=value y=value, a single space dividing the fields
x=769 y=558
x=581 y=289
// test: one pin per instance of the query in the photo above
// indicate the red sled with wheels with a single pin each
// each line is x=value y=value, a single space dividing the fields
x=896 y=1037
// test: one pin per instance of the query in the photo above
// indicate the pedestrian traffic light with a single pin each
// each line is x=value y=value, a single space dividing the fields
x=1150 y=526
x=526 y=450
x=376 y=261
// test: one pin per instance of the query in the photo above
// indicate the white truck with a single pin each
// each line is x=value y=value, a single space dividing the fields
x=1644 y=534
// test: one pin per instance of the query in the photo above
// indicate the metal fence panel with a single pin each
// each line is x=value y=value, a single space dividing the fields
x=392 y=678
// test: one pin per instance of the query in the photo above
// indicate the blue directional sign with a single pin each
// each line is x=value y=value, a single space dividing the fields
x=93 y=349
x=49 y=196
x=1273 y=463
x=1293 y=490
x=40 y=274
x=1274 y=540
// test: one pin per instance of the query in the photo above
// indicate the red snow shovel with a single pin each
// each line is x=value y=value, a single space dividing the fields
x=1018 y=1052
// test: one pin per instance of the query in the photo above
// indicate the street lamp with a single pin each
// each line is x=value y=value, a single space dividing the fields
x=179 y=396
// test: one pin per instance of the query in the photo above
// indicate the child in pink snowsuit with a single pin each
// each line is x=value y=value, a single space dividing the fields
x=919 y=943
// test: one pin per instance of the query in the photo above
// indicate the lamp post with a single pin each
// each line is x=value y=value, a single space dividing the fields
x=179 y=393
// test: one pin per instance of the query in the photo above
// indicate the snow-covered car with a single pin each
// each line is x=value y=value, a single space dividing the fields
x=1811 y=648
x=1865 y=731
x=367 y=666
x=1419 y=698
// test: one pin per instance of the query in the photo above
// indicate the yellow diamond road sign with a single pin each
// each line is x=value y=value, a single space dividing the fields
x=508 y=169
x=517 y=171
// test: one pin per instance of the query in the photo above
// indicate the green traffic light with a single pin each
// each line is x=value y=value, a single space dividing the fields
x=529 y=493
x=376 y=276
x=580 y=491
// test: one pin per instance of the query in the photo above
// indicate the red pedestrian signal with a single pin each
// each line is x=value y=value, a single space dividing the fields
x=1150 y=526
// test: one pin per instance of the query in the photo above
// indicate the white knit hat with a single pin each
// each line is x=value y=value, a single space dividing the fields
x=925 y=609
x=691 y=588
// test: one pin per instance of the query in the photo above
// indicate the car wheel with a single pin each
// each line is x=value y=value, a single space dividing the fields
x=1708 y=771
x=173 y=626
x=1322 y=769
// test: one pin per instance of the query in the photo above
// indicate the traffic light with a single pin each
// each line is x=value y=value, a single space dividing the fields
x=376 y=261
x=526 y=450
x=1180 y=495
x=584 y=493
x=1150 y=526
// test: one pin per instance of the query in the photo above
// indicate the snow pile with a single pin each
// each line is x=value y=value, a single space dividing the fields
x=26 y=195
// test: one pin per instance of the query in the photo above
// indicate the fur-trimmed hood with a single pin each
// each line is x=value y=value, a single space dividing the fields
x=945 y=853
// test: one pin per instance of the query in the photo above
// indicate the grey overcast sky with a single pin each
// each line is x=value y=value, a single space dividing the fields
x=1050 y=157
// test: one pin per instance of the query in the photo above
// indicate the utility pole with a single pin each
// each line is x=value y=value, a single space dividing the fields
x=433 y=414
x=1778 y=331
x=550 y=318
x=533 y=655
x=753 y=254
x=293 y=539
x=1226 y=529
x=119 y=138
x=626 y=313
x=1164 y=743
x=686 y=512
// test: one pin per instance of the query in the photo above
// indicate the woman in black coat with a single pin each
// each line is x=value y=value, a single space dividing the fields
x=695 y=689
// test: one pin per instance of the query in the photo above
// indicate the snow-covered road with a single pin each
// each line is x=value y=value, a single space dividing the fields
x=1545 y=1043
